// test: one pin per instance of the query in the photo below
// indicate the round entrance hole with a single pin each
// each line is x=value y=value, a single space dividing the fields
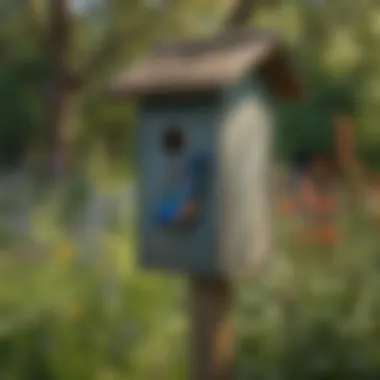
x=173 y=140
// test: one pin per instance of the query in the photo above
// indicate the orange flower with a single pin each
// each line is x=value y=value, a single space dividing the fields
x=328 y=234
x=308 y=197
x=327 y=205
x=285 y=206
x=321 y=234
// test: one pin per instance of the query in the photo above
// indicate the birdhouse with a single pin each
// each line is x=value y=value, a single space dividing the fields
x=205 y=150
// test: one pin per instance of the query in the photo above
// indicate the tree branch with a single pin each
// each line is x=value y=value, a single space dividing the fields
x=34 y=19
x=111 y=46
x=240 y=14
x=242 y=11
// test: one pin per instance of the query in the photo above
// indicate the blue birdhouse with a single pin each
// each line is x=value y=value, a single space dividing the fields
x=205 y=144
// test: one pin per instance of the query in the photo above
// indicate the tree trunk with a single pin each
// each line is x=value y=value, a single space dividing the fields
x=63 y=85
x=348 y=161
x=240 y=13
x=62 y=91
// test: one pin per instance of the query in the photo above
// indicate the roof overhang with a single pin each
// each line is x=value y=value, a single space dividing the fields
x=209 y=64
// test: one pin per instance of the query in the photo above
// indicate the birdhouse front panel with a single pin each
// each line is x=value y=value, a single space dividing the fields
x=177 y=145
x=205 y=165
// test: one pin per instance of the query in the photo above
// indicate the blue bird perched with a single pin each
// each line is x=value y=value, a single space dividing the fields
x=173 y=203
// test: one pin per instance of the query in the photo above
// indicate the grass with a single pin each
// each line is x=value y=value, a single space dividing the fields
x=313 y=315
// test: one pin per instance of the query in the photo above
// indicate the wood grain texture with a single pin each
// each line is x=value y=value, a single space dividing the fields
x=246 y=193
x=233 y=233
x=210 y=63
x=189 y=250
x=213 y=335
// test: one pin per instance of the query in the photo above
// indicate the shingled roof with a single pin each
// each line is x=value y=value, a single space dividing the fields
x=210 y=63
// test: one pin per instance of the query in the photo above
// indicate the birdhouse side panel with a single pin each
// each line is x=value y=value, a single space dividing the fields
x=177 y=226
x=245 y=179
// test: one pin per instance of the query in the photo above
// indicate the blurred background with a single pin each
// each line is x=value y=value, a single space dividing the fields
x=73 y=304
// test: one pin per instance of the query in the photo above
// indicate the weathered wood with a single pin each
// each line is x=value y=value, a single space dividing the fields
x=229 y=142
x=212 y=329
x=211 y=63
x=244 y=182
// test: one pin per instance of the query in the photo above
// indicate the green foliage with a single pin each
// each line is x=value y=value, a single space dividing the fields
x=98 y=320
x=332 y=43
x=313 y=316
x=21 y=80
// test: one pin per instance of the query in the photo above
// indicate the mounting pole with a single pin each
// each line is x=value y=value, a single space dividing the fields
x=212 y=334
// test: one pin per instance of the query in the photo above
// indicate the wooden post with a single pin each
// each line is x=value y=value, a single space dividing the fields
x=212 y=329
x=347 y=156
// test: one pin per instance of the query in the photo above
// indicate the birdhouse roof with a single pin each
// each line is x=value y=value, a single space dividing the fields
x=205 y=64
